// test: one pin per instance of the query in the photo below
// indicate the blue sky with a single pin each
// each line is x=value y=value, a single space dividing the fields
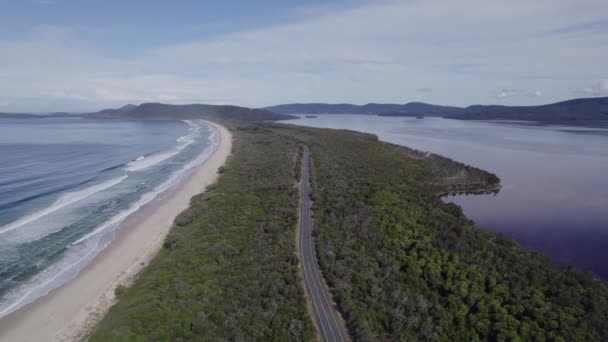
x=88 y=54
x=132 y=26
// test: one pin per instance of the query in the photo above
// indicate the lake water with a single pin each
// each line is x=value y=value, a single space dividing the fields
x=66 y=185
x=555 y=178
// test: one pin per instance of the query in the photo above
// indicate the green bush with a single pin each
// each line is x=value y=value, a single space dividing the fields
x=227 y=270
x=402 y=264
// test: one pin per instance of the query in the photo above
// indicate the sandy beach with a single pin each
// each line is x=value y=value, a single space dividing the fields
x=68 y=312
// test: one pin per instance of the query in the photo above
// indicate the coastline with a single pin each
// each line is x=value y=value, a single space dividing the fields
x=477 y=191
x=68 y=313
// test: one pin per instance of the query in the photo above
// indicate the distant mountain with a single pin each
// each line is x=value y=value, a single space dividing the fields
x=326 y=108
x=572 y=111
x=423 y=109
x=588 y=109
x=408 y=109
x=160 y=111
x=385 y=109
x=19 y=116
x=36 y=116
x=63 y=115
x=577 y=111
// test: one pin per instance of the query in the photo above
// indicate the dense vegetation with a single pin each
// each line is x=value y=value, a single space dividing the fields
x=406 y=266
x=402 y=264
x=228 y=269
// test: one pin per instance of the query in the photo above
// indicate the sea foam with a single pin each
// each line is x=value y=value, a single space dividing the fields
x=83 y=251
x=147 y=197
x=145 y=162
x=62 y=202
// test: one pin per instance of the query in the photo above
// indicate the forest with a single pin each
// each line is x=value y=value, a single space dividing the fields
x=405 y=266
x=228 y=269
x=401 y=264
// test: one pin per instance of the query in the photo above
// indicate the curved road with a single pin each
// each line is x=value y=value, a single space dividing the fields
x=331 y=326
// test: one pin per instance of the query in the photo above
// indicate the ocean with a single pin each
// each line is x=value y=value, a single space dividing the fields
x=554 y=198
x=66 y=185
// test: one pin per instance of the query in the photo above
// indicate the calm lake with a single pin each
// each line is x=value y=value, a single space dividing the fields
x=555 y=178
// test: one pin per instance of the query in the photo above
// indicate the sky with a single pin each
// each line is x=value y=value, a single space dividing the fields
x=85 y=55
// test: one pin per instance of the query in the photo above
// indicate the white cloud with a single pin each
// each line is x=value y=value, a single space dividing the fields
x=538 y=93
x=603 y=87
x=374 y=52
x=534 y=93
x=598 y=89
x=506 y=93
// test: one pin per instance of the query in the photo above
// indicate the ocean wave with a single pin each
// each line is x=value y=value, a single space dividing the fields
x=52 y=277
x=144 y=162
x=48 y=191
x=62 y=202
x=81 y=252
x=185 y=141
x=112 y=167
x=147 y=197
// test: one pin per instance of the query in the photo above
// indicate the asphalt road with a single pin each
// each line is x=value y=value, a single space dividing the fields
x=331 y=326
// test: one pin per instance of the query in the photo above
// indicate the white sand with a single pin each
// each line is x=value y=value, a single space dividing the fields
x=70 y=311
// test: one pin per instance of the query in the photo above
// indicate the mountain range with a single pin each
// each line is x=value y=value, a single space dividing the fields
x=583 y=110
x=577 y=111
x=408 y=109
x=160 y=111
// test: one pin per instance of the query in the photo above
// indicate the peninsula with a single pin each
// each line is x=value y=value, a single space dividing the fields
x=398 y=263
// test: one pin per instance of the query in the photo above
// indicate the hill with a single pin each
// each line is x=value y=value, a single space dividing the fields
x=571 y=111
x=326 y=108
x=424 y=109
x=160 y=111
x=385 y=109
x=19 y=116
x=587 y=109
x=37 y=116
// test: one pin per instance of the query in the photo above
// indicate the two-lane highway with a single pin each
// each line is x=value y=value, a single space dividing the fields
x=331 y=326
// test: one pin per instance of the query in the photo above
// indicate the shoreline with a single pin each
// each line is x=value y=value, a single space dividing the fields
x=478 y=191
x=68 y=312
